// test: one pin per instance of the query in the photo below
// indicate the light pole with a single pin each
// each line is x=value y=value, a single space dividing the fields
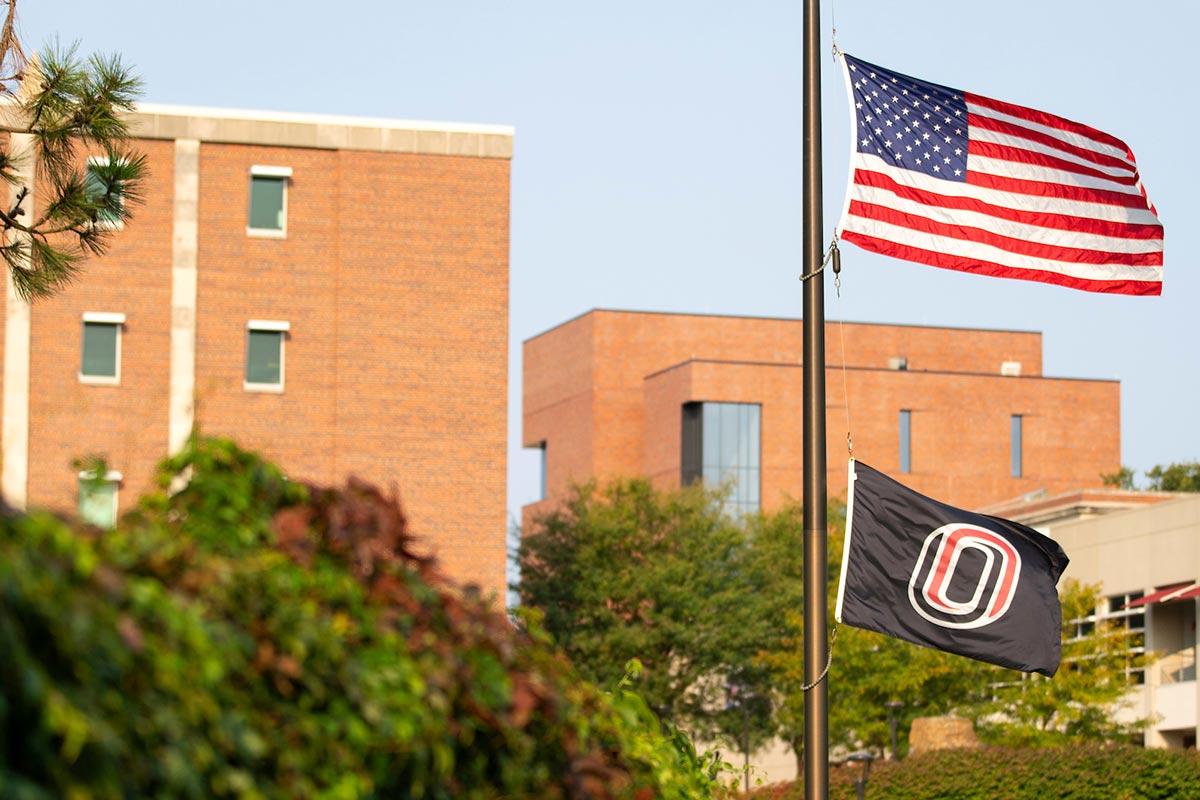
x=893 y=707
x=860 y=783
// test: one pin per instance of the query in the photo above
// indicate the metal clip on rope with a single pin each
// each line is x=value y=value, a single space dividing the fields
x=833 y=253
x=828 y=663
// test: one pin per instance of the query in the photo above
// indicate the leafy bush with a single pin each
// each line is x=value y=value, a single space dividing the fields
x=241 y=635
x=1087 y=772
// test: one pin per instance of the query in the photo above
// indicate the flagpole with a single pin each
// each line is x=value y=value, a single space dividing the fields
x=816 y=700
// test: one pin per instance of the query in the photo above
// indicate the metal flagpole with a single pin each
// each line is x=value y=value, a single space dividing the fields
x=816 y=700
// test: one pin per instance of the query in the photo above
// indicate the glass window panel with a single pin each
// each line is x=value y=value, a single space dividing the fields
x=266 y=202
x=731 y=452
x=754 y=438
x=1015 y=444
x=542 y=484
x=729 y=434
x=264 y=357
x=98 y=502
x=99 y=349
x=711 y=451
x=906 y=441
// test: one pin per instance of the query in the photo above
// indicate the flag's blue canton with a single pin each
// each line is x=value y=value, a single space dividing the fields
x=912 y=123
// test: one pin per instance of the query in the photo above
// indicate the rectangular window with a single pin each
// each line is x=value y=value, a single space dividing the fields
x=98 y=498
x=1132 y=621
x=268 y=201
x=101 y=348
x=905 y=441
x=542 y=488
x=721 y=445
x=264 y=355
x=97 y=182
x=1015 y=444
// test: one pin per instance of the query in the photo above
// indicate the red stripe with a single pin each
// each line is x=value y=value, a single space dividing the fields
x=1003 y=152
x=1009 y=244
x=1066 y=222
x=1005 y=127
x=1049 y=120
x=1048 y=190
x=978 y=267
x=1006 y=586
x=947 y=547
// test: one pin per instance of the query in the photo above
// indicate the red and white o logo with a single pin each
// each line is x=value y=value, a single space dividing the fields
x=965 y=577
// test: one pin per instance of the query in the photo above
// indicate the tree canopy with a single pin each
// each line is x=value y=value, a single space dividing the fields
x=630 y=571
x=1180 y=477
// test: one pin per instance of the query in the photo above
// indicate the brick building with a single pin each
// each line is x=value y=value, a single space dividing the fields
x=332 y=292
x=963 y=415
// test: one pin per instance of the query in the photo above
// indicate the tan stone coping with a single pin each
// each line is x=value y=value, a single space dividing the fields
x=322 y=131
x=283 y=129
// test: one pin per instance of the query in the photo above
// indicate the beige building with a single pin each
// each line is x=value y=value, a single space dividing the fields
x=1148 y=563
x=1143 y=548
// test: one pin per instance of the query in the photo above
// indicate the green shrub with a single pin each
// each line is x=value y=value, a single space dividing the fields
x=240 y=635
x=1084 y=772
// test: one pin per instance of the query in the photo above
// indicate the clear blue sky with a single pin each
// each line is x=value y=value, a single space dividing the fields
x=657 y=161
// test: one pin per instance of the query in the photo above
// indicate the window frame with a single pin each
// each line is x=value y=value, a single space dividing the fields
x=111 y=479
x=284 y=176
x=283 y=328
x=105 y=224
x=117 y=321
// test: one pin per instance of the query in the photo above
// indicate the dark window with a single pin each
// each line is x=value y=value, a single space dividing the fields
x=264 y=357
x=266 y=203
x=101 y=349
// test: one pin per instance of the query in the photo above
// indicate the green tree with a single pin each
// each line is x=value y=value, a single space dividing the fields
x=629 y=571
x=1080 y=703
x=67 y=108
x=1181 y=477
x=1121 y=479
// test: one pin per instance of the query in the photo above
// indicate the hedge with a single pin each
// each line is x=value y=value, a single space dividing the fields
x=1087 y=772
x=242 y=635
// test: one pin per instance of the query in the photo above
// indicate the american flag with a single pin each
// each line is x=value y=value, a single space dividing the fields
x=960 y=181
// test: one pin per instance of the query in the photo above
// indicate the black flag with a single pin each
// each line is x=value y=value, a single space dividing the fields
x=950 y=579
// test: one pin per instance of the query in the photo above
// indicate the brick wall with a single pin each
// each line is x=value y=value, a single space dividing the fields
x=393 y=278
x=127 y=424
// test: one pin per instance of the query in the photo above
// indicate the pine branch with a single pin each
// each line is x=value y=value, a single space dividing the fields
x=72 y=107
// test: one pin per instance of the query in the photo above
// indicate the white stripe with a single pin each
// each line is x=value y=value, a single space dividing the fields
x=853 y=142
x=994 y=255
x=1054 y=237
x=1077 y=139
x=851 y=483
x=1008 y=140
x=1033 y=172
x=1018 y=202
